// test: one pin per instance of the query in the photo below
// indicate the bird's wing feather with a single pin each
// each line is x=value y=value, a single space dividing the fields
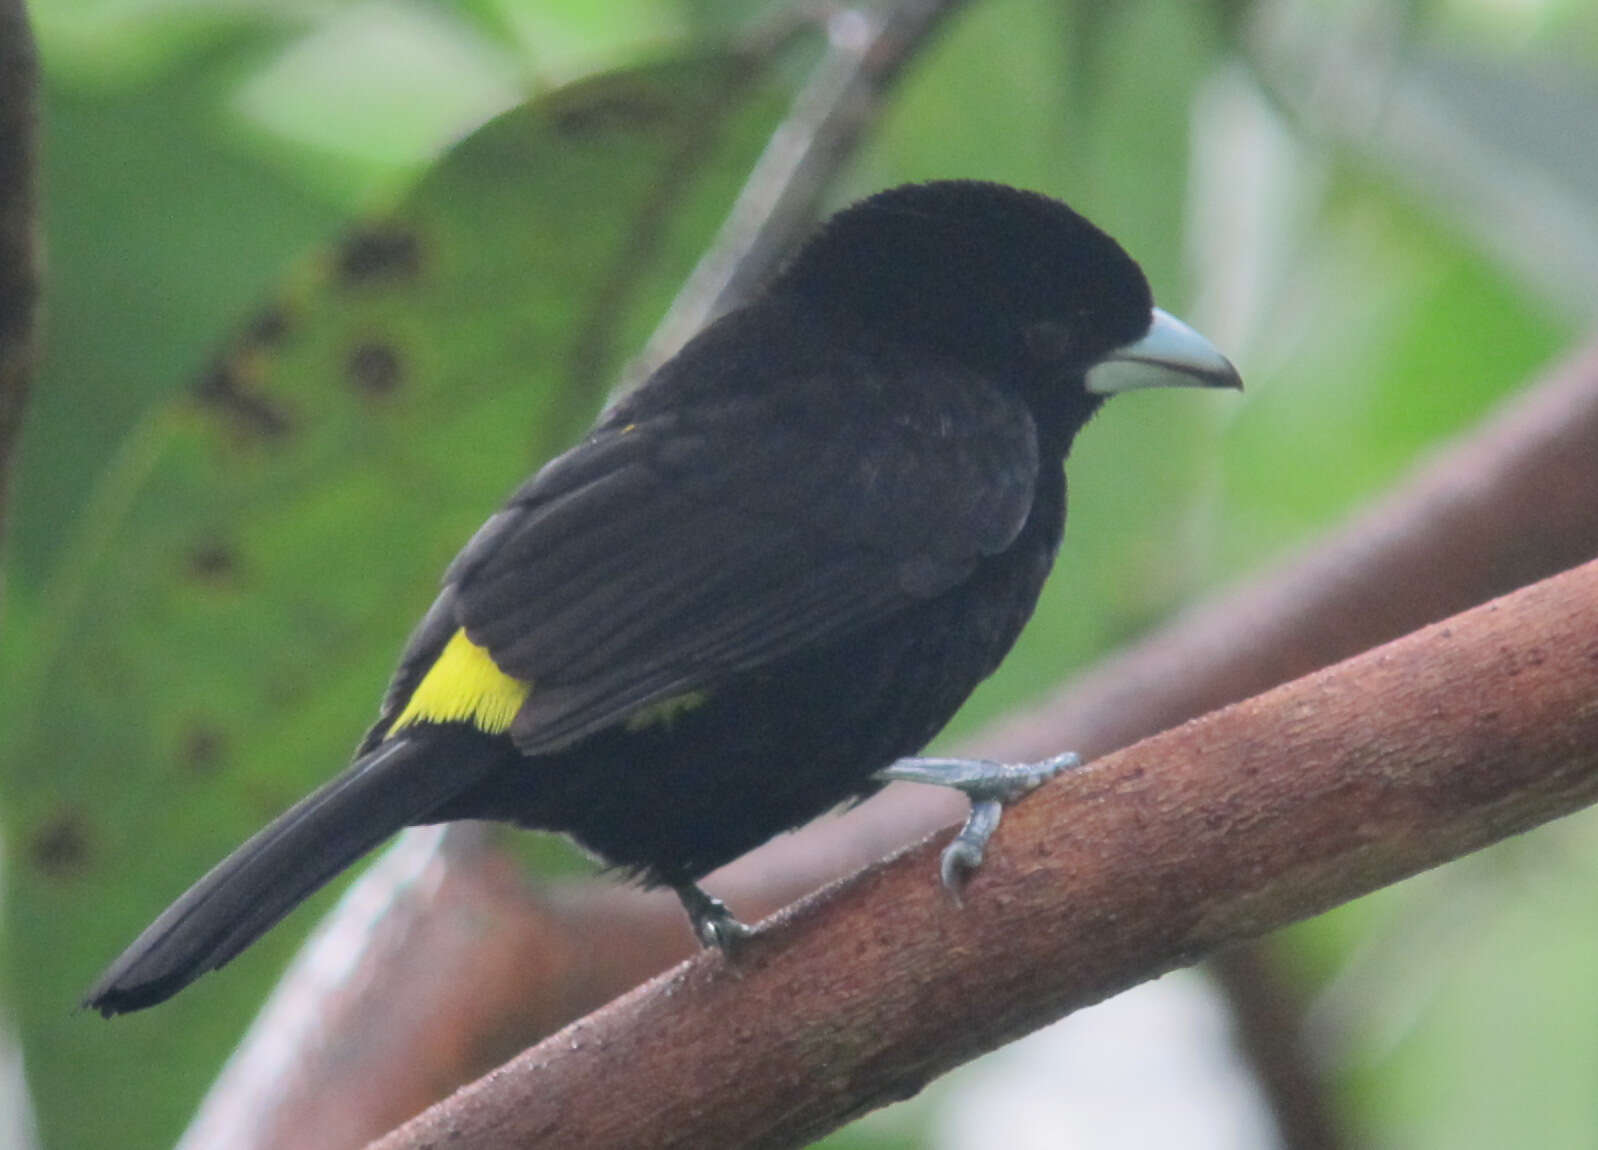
x=660 y=556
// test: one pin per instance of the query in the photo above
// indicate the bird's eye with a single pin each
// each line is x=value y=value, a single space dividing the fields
x=1049 y=341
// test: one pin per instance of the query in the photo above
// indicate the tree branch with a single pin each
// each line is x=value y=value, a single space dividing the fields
x=1234 y=824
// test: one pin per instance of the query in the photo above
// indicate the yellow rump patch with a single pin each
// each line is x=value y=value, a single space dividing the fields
x=464 y=686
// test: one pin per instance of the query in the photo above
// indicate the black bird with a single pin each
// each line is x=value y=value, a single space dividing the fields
x=767 y=575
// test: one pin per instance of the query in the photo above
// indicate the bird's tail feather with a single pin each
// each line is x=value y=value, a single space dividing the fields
x=394 y=785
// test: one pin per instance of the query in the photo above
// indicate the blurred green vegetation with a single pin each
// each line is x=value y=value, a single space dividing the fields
x=203 y=595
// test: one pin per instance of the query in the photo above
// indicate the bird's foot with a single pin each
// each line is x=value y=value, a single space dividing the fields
x=989 y=786
x=713 y=924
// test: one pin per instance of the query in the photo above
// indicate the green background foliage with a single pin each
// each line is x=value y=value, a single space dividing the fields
x=327 y=281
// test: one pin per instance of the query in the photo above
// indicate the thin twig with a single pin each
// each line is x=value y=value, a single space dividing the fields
x=866 y=53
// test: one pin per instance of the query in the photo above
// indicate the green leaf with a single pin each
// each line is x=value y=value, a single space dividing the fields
x=1390 y=334
x=159 y=232
x=222 y=624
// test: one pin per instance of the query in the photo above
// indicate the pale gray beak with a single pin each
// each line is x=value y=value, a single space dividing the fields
x=1171 y=354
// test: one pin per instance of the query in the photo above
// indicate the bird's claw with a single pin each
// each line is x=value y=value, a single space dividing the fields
x=960 y=860
x=723 y=931
x=713 y=924
x=989 y=786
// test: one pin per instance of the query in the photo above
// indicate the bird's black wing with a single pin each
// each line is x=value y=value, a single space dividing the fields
x=662 y=555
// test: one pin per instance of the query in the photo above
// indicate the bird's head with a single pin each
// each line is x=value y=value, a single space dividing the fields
x=1009 y=282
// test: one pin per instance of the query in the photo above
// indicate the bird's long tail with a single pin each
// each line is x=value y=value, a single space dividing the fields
x=396 y=784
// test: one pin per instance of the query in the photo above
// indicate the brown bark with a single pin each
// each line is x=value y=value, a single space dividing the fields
x=1234 y=824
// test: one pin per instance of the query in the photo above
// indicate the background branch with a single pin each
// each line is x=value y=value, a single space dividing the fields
x=1250 y=818
x=1267 y=1014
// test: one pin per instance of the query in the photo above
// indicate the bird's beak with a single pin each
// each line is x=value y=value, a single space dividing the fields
x=1170 y=354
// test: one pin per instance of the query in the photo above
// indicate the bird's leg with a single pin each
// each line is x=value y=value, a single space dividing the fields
x=989 y=786
x=714 y=925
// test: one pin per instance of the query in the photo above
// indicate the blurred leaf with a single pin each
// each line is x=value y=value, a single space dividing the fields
x=1458 y=1006
x=1392 y=335
x=159 y=232
x=102 y=46
x=957 y=113
x=565 y=39
x=224 y=621
x=1503 y=1045
x=380 y=88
